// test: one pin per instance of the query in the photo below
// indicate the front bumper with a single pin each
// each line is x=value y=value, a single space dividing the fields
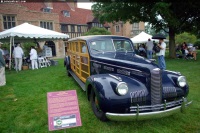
x=150 y=115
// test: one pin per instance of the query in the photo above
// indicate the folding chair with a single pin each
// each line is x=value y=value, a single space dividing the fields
x=41 y=62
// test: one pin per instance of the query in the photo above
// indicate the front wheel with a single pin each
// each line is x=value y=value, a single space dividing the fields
x=95 y=107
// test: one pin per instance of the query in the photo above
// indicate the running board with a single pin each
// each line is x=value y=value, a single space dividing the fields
x=82 y=85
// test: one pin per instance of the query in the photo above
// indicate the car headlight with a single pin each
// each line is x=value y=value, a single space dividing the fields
x=181 y=81
x=122 y=88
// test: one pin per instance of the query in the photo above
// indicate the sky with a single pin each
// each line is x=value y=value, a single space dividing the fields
x=85 y=5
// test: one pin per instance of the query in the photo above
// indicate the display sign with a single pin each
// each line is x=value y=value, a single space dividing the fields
x=63 y=110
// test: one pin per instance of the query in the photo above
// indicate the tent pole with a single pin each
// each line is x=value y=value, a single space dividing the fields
x=10 y=53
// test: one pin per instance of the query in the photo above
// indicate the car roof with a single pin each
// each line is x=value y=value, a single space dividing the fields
x=92 y=37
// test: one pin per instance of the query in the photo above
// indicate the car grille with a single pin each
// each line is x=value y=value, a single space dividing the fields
x=156 y=86
x=169 y=92
x=138 y=96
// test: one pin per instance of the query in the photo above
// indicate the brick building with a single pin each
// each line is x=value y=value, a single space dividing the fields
x=126 y=29
x=63 y=17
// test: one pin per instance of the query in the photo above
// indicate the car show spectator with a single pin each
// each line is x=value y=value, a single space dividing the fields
x=18 y=54
x=6 y=55
x=1 y=48
x=161 y=54
x=2 y=70
x=33 y=58
x=149 y=46
x=141 y=50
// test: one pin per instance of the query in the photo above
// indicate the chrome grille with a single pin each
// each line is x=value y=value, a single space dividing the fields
x=156 y=86
x=169 y=92
x=138 y=96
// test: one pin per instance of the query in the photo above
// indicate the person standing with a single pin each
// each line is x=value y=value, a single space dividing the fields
x=2 y=70
x=149 y=49
x=18 y=54
x=161 y=54
x=33 y=58
x=6 y=56
x=1 y=48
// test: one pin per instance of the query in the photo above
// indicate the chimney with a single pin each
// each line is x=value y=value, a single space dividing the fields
x=48 y=4
x=72 y=4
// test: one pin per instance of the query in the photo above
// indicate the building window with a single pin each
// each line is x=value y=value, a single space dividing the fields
x=135 y=26
x=9 y=22
x=64 y=28
x=48 y=10
x=79 y=28
x=46 y=25
x=66 y=13
x=72 y=28
x=117 y=28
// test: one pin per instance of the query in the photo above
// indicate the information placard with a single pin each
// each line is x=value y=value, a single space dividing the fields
x=63 y=110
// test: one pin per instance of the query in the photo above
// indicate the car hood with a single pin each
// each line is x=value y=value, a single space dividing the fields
x=125 y=60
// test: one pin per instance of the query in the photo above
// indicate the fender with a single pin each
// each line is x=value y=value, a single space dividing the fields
x=104 y=86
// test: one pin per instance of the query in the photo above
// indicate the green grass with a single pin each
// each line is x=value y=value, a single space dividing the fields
x=23 y=103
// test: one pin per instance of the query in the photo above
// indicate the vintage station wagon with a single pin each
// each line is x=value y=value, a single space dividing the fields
x=120 y=84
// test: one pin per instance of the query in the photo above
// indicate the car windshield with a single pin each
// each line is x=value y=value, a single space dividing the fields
x=110 y=46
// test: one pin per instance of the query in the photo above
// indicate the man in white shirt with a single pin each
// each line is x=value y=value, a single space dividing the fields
x=149 y=49
x=33 y=58
x=161 y=54
x=18 y=54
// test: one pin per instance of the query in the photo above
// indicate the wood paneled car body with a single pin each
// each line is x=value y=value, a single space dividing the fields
x=120 y=84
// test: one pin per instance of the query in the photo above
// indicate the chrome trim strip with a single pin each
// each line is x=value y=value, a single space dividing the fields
x=148 y=115
x=173 y=72
x=117 y=66
x=115 y=77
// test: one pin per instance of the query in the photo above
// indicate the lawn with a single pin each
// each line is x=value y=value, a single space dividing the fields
x=23 y=103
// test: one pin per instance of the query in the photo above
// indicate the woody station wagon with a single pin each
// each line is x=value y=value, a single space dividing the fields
x=120 y=84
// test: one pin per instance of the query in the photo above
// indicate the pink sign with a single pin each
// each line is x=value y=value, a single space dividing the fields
x=63 y=110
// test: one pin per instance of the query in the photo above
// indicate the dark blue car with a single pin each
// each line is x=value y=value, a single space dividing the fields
x=120 y=84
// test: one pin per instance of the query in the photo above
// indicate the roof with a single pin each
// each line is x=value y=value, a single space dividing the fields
x=91 y=37
x=77 y=16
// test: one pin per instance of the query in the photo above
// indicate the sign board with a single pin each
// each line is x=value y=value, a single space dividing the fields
x=63 y=110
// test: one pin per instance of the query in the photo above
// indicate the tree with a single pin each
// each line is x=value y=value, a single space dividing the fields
x=185 y=37
x=97 y=31
x=176 y=16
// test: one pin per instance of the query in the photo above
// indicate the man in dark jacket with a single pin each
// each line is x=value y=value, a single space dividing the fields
x=2 y=70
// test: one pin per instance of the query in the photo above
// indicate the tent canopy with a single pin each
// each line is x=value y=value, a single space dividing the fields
x=143 y=38
x=27 y=30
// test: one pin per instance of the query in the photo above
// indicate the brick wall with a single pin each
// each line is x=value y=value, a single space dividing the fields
x=33 y=17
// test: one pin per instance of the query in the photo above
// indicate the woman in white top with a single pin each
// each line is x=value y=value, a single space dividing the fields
x=33 y=58
x=18 y=54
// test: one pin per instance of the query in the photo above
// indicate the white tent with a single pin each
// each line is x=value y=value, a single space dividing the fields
x=141 y=38
x=26 y=30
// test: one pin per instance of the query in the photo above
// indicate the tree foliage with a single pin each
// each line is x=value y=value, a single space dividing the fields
x=176 y=16
x=185 y=37
x=97 y=31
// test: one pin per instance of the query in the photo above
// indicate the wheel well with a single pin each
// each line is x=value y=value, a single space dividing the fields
x=89 y=88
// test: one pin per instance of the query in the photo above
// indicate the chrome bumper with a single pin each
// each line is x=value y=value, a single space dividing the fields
x=147 y=115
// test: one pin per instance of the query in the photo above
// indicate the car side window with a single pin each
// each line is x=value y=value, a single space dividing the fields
x=101 y=46
x=83 y=47
x=123 y=45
